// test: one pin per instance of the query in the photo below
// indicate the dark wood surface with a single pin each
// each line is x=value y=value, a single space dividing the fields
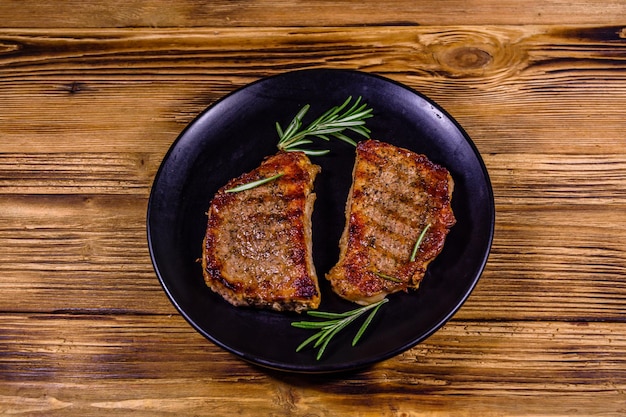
x=92 y=95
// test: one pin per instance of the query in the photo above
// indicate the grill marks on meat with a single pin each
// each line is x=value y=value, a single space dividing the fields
x=257 y=246
x=395 y=195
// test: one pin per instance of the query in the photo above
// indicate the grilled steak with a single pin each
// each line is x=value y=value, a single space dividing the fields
x=396 y=194
x=257 y=247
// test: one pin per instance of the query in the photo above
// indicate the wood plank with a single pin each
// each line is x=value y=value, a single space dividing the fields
x=81 y=252
x=513 y=88
x=466 y=368
x=530 y=179
x=565 y=263
x=78 y=173
x=193 y=13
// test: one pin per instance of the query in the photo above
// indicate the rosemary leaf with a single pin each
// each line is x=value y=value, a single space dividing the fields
x=307 y=341
x=327 y=315
x=387 y=277
x=301 y=142
x=329 y=130
x=253 y=184
x=279 y=130
x=312 y=152
x=296 y=123
x=365 y=324
x=361 y=130
x=334 y=110
x=324 y=314
x=345 y=138
x=419 y=243
x=314 y=324
x=329 y=334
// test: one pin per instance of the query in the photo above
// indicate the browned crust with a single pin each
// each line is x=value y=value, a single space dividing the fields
x=257 y=246
x=395 y=194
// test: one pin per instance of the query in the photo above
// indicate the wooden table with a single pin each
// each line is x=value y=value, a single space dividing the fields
x=93 y=93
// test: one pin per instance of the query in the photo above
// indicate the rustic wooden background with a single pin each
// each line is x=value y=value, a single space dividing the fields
x=93 y=93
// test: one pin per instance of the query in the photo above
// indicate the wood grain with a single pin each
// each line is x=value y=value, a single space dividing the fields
x=466 y=368
x=94 y=93
x=494 y=80
x=282 y=13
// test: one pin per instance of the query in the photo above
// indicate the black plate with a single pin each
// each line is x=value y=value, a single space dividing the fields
x=233 y=136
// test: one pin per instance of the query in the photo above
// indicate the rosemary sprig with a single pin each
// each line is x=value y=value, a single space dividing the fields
x=335 y=323
x=418 y=243
x=253 y=184
x=330 y=124
x=387 y=277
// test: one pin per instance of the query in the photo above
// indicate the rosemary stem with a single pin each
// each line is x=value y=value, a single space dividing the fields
x=418 y=243
x=254 y=184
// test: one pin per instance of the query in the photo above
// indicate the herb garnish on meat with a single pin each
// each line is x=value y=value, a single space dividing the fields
x=419 y=242
x=253 y=184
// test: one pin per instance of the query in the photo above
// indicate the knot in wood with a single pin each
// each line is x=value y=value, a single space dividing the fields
x=467 y=58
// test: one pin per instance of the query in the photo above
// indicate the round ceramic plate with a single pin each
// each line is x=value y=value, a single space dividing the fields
x=233 y=136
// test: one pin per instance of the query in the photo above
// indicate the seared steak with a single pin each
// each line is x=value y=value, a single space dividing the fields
x=396 y=194
x=257 y=247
